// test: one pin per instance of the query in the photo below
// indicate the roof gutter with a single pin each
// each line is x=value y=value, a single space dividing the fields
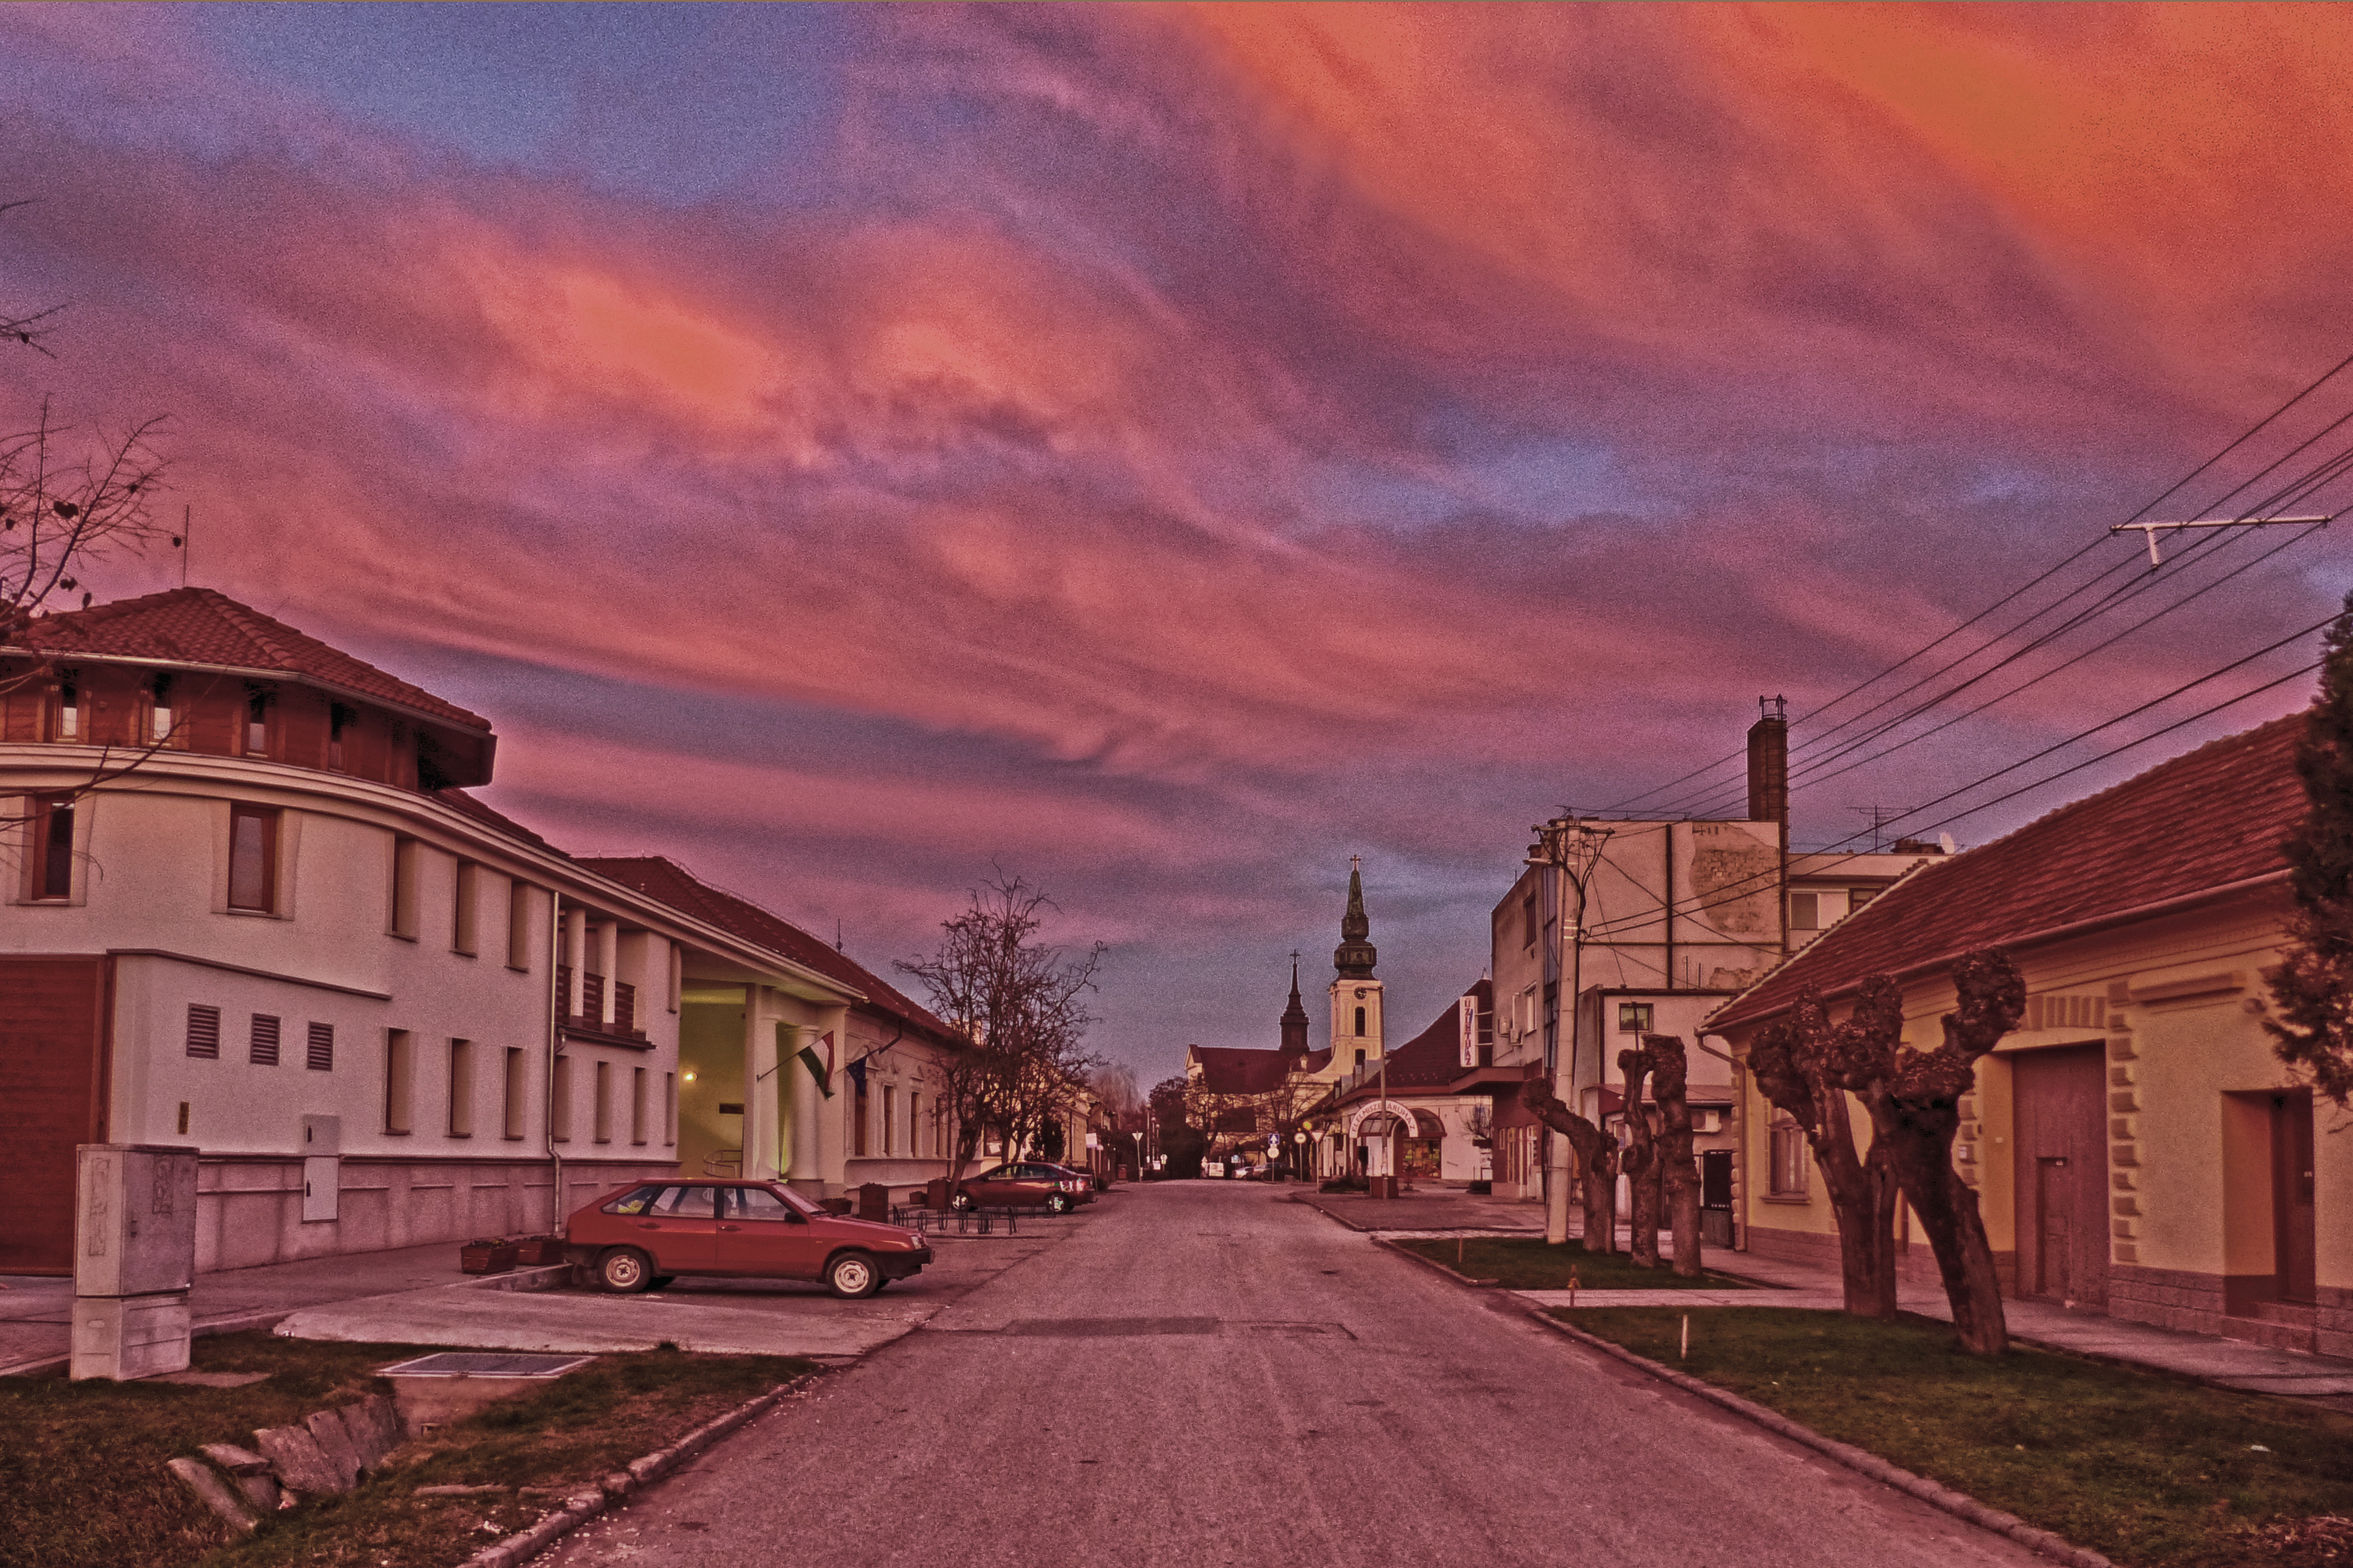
x=1717 y=1023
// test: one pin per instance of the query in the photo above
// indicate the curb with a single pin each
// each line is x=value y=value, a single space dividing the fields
x=586 y=1504
x=1459 y=1279
x=1958 y=1504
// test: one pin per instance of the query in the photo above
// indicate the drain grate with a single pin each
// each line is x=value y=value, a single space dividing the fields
x=1110 y=1328
x=487 y=1364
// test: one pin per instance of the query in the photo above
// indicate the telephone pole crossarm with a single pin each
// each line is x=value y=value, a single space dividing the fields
x=2149 y=531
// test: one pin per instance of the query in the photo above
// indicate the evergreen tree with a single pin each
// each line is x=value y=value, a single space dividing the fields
x=2313 y=985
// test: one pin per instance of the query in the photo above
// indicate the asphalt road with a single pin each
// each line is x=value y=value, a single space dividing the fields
x=1209 y=1374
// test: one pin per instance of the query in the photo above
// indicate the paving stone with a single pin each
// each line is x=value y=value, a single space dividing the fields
x=335 y=1442
x=236 y=1461
x=216 y=1493
x=301 y=1463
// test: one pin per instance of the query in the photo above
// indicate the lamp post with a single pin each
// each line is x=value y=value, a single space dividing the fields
x=1574 y=849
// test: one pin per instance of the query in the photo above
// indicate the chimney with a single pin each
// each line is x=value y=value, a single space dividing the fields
x=1769 y=763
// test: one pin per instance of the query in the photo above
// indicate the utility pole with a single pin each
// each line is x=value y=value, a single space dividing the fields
x=1574 y=849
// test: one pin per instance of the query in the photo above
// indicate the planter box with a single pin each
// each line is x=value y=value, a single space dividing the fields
x=538 y=1251
x=487 y=1257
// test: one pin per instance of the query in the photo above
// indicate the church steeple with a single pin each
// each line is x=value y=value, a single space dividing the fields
x=1294 y=1018
x=1354 y=957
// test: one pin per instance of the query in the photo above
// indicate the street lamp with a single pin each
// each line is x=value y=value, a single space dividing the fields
x=1573 y=849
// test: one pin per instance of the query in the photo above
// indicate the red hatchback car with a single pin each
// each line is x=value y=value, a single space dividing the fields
x=640 y=1236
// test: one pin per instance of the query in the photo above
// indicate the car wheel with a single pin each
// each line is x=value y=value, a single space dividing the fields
x=961 y=1201
x=853 y=1276
x=1058 y=1202
x=625 y=1271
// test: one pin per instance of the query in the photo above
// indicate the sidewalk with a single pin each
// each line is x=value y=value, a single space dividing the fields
x=1440 y=1212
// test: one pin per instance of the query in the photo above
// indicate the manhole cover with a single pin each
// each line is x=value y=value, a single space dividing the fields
x=487 y=1364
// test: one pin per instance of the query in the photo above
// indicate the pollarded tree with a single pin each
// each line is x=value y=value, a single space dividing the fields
x=1915 y=1101
x=2313 y=984
x=1639 y=1160
x=1807 y=1066
x=1678 y=1166
x=1597 y=1160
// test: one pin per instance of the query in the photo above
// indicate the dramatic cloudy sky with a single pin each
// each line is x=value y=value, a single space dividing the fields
x=1163 y=452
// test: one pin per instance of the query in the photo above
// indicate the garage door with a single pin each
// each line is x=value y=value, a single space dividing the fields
x=50 y=1098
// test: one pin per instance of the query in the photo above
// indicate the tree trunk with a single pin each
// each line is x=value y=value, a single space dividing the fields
x=1597 y=1158
x=1920 y=1135
x=1639 y=1161
x=1678 y=1168
x=1862 y=1200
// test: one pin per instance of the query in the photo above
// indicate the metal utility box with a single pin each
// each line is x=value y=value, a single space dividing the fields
x=134 y=1259
x=323 y=1167
x=135 y=1220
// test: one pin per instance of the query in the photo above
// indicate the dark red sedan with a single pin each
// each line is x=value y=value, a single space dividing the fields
x=642 y=1235
x=1032 y=1184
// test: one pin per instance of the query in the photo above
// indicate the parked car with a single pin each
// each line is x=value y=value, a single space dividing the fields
x=1029 y=1185
x=643 y=1235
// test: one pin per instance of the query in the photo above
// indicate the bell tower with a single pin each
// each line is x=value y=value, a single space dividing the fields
x=1294 y=1020
x=1356 y=1024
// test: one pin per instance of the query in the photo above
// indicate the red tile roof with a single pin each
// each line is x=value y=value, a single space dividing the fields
x=1237 y=1070
x=674 y=885
x=2204 y=820
x=197 y=626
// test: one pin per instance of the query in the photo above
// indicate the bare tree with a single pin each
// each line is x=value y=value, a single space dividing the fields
x=1678 y=1166
x=1809 y=1066
x=1805 y=1066
x=1597 y=1159
x=1021 y=1001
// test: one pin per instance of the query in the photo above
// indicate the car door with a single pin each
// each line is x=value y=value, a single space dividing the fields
x=992 y=1187
x=677 y=1229
x=760 y=1236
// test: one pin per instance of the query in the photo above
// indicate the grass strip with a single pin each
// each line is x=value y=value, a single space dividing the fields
x=1532 y=1263
x=2147 y=1469
x=81 y=1465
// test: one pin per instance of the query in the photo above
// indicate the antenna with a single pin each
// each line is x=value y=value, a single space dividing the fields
x=2148 y=530
x=1880 y=815
x=186 y=541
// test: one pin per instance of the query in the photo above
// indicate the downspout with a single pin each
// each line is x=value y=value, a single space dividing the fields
x=1667 y=844
x=555 y=1029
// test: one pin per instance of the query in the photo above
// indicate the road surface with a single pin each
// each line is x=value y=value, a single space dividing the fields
x=1206 y=1373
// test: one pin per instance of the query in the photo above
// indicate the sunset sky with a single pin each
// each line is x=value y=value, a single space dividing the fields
x=1163 y=452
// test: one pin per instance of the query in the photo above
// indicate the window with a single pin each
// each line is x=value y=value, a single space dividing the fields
x=1633 y=1017
x=461 y=1089
x=677 y=973
x=461 y=919
x=858 y=1114
x=914 y=1124
x=604 y=1102
x=1360 y=1058
x=204 y=1031
x=1788 y=1158
x=252 y=859
x=559 y=1102
x=519 y=925
x=339 y=719
x=890 y=1107
x=637 y=1105
x=69 y=720
x=256 y=722
x=405 y=855
x=1360 y=1020
x=757 y=1204
x=261 y=1049
x=669 y=1107
x=1858 y=897
x=516 y=1083
x=321 y=1058
x=53 y=847
x=159 y=712
x=1528 y=921
x=398 y=1067
x=1805 y=912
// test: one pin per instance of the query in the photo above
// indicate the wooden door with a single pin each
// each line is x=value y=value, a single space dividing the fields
x=2062 y=1174
x=2296 y=1237
x=52 y=1082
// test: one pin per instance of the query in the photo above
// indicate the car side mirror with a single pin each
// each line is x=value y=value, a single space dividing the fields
x=794 y=1216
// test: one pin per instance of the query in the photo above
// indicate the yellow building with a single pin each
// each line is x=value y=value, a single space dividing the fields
x=2135 y=1145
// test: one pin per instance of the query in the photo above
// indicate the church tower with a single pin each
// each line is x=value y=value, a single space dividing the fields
x=1356 y=1030
x=1295 y=1022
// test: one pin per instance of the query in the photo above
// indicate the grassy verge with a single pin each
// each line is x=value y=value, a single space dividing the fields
x=2147 y=1469
x=1531 y=1263
x=81 y=1465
